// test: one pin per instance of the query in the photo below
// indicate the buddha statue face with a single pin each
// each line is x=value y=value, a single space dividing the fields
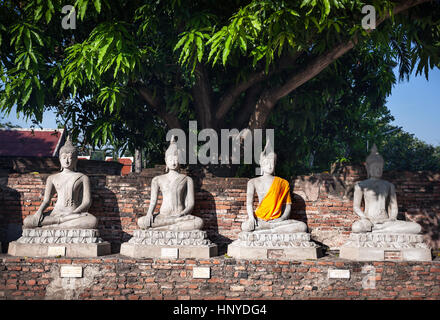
x=68 y=155
x=68 y=160
x=375 y=170
x=268 y=164
x=172 y=162
x=172 y=155
x=374 y=164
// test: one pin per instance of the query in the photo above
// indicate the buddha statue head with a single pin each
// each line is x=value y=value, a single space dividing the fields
x=172 y=155
x=68 y=155
x=268 y=159
x=374 y=163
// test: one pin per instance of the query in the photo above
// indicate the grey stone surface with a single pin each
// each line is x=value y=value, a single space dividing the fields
x=78 y=243
x=48 y=236
x=170 y=238
x=73 y=197
x=294 y=246
x=374 y=246
x=378 y=231
x=240 y=251
x=380 y=213
x=178 y=198
x=149 y=244
x=140 y=251
x=74 y=250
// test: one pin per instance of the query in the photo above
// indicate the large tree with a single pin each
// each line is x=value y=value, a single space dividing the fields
x=129 y=68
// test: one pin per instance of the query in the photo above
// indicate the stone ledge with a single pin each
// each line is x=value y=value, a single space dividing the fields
x=240 y=251
x=376 y=246
x=155 y=251
x=78 y=250
x=384 y=254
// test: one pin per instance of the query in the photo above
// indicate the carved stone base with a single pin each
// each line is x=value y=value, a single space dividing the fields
x=169 y=244
x=377 y=246
x=75 y=250
x=291 y=246
x=41 y=242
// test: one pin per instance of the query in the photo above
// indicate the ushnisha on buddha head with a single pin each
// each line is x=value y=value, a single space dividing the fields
x=172 y=155
x=374 y=163
x=68 y=155
x=268 y=159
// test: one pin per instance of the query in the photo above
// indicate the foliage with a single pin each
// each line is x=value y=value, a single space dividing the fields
x=131 y=69
x=403 y=151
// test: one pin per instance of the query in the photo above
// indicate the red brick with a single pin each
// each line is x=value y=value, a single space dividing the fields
x=31 y=282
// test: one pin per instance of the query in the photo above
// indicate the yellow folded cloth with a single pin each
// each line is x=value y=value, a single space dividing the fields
x=275 y=198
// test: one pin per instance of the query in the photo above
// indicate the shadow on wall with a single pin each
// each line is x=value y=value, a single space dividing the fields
x=429 y=219
x=206 y=209
x=105 y=207
x=211 y=222
x=11 y=221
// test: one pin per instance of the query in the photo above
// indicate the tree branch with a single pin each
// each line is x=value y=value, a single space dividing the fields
x=202 y=97
x=252 y=95
x=312 y=69
x=159 y=106
x=228 y=99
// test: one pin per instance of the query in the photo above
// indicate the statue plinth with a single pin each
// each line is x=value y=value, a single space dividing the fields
x=40 y=242
x=260 y=245
x=376 y=246
x=150 y=244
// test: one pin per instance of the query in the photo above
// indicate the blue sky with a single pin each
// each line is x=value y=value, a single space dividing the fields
x=415 y=105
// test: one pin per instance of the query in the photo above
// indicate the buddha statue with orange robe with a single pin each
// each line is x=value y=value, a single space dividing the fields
x=275 y=204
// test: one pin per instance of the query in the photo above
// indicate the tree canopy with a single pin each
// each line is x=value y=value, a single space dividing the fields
x=131 y=69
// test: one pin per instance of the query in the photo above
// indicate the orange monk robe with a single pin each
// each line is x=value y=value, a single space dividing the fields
x=277 y=196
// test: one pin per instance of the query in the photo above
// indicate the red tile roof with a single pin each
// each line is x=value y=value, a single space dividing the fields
x=126 y=161
x=31 y=142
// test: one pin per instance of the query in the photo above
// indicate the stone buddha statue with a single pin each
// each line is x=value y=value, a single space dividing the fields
x=275 y=203
x=74 y=198
x=178 y=198
x=380 y=214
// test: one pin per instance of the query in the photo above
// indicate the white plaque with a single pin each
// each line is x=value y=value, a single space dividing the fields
x=172 y=253
x=338 y=274
x=56 y=251
x=71 y=272
x=201 y=272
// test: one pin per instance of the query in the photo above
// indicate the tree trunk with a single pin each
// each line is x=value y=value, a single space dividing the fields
x=138 y=160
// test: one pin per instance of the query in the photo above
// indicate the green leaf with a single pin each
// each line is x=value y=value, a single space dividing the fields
x=97 y=4
x=227 y=49
x=199 y=44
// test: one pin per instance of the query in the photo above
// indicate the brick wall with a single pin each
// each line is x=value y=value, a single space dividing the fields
x=119 y=278
x=323 y=201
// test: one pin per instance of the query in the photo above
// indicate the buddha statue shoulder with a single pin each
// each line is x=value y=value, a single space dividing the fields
x=73 y=197
x=273 y=211
x=178 y=198
x=380 y=211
